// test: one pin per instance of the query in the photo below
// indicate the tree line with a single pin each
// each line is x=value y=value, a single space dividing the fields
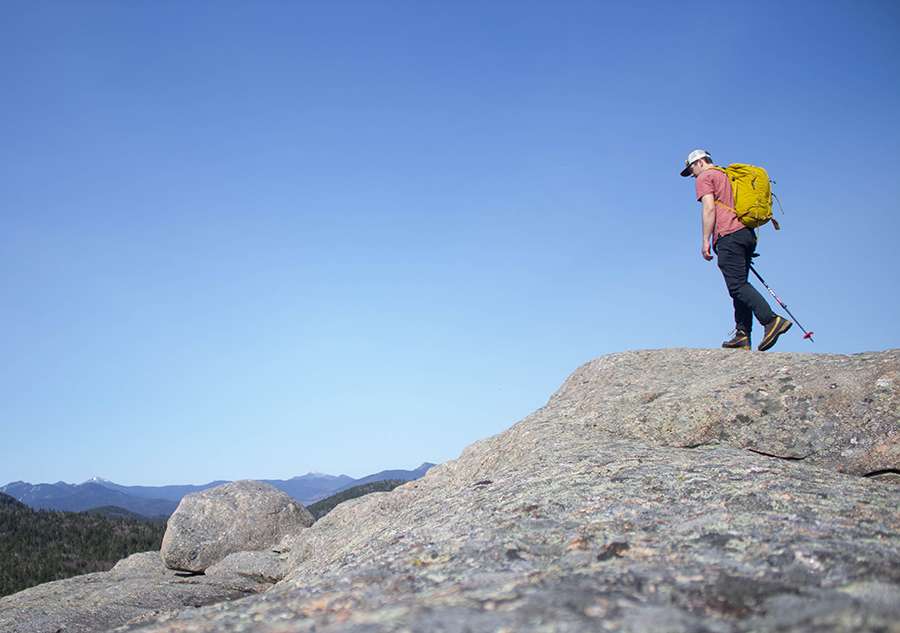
x=38 y=546
x=323 y=507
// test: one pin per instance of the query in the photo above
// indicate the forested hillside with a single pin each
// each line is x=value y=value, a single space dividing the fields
x=37 y=546
x=323 y=507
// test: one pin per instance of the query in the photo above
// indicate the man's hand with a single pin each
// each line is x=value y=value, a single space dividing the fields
x=704 y=250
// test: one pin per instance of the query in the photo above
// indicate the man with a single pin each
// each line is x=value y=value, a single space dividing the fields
x=734 y=244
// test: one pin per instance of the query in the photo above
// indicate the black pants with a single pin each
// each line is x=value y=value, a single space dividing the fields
x=734 y=252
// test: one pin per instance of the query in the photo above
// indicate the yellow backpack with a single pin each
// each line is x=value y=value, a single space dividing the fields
x=752 y=194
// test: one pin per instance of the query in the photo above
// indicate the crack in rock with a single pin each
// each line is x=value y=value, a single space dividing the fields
x=790 y=458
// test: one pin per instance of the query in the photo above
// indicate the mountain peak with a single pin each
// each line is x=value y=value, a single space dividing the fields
x=98 y=480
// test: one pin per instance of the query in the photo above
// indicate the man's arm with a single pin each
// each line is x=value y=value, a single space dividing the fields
x=708 y=218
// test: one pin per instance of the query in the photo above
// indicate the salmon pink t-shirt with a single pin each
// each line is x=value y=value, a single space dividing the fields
x=715 y=182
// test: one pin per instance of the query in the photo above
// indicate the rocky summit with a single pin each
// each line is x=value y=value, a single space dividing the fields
x=686 y=491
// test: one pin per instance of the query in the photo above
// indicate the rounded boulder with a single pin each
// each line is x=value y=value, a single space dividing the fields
x=242 y=516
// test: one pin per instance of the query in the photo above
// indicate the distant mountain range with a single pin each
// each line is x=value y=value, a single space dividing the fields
x=161 y=501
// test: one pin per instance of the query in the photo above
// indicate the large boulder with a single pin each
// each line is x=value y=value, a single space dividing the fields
x=237 y=517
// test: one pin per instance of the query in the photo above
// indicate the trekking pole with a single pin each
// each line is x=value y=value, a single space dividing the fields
x=806 y=334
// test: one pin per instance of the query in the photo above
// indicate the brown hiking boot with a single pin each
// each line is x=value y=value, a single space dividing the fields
x=740 y=340
x=774 y=328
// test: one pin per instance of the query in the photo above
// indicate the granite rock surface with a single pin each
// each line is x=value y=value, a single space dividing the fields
x=638 y=499
x=138 y=588
x=837 y=412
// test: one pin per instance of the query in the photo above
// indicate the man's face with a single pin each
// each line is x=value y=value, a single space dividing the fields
x=696 y=167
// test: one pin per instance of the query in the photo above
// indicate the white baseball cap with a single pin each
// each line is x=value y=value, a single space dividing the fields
x=697 y=154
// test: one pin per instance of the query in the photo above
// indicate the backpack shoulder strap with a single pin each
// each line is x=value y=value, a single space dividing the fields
x=719 y=202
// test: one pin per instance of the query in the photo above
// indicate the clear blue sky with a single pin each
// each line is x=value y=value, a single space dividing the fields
x=257 y=239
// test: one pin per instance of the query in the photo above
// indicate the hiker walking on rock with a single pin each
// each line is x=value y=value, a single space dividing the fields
x=734 y=244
